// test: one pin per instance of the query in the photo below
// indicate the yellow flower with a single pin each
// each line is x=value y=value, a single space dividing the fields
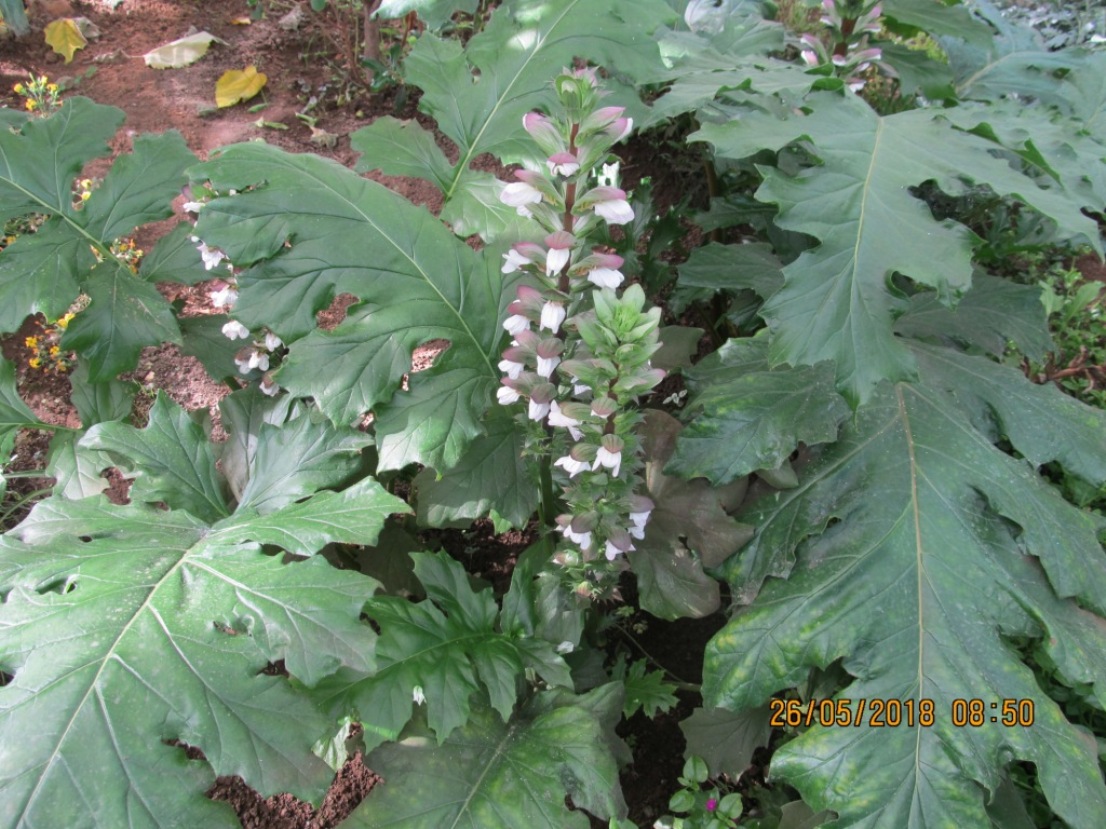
x=86 y=183
x=52 y=87
x=30 y=104
x=63 y=323
x=34 y=362
x=18 y=89
x=85 y=196
x=62 y=367
x=31 y=342
x=54 y=351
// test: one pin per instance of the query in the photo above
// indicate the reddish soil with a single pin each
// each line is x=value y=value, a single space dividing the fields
x=301 y=64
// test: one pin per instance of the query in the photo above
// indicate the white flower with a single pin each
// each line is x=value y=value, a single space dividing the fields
x=513 y=260
x=637 y=532
x=417 y=695
x=582 y=539
x=519 y=194
x=268 y=387
x=565 y=647
x=615 y=211
x=506 y=395
x=606 y=278
x=235 y=330
x=258 y=359
x=611 y=460
x=547 y=364
x=563 y=164
x=537 y=410
x=571 y=466
x=612 y=552
x=559 y=418
x=609 y=176
x=224 y=297
x=272 y=341
x=640 y=519
x=556 y=259
x=516 y=324
x=552 y=315
x=511 y=369
x=193 y=206
x=211 y=256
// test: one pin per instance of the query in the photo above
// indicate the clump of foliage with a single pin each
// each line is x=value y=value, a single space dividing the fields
x=855 y=463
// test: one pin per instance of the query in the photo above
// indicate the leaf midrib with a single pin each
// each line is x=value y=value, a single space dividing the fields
x=94 y=683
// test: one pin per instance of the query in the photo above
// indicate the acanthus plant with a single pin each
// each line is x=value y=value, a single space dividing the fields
x=580 y=353
x=908 y=540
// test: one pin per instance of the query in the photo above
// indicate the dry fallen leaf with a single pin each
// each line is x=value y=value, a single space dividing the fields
x=64 y=37
x=238 y=85
x=180 y=52
x=240 y=21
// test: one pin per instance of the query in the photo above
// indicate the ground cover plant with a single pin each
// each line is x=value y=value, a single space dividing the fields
x=847 y=458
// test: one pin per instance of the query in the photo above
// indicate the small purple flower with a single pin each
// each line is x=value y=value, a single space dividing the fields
x=712 y=804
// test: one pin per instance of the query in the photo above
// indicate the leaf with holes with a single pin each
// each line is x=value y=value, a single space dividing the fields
x=126 y=628
x=417 y=282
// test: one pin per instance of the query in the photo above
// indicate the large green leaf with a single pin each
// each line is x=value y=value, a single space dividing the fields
x=125 y=628
x=937 y=19
x=744 y=416
x=492 y=477
x=125 y=314
x=436 y=13
x=171 y=460
x=478 y=93
x=45 y=271
x=689 y=528
x=353 y=516
x=14 y=413
x=446 y=649
x=992 y=314
x=837 y=302
x=37 y=167
x=913 y=546
x=296 y=458
x=417 y=283
x=495 y=775
x=15 y=16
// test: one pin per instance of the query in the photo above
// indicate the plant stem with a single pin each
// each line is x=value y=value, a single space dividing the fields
x=546 y=503
x=681 y=684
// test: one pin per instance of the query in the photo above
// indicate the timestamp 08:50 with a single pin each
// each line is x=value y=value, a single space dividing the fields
x=894 y=713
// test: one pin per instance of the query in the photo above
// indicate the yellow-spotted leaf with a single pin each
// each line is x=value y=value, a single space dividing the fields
x=64 y=37
x=238 y=85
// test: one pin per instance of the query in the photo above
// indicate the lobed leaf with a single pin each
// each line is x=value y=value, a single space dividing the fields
x=495 y=775
x=416 y=281
x=744 y=416
x=448 y=648
x=478 y=93
x=171 y=460
x=836 y=303
x=129 y=627
x=916 y=589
